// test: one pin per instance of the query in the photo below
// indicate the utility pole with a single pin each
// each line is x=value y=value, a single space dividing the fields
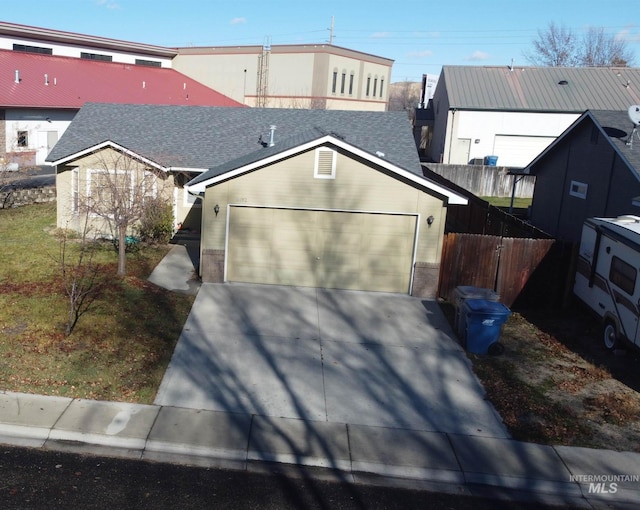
x=331 y=31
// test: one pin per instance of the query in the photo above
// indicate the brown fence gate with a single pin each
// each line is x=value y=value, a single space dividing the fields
x=504 y=264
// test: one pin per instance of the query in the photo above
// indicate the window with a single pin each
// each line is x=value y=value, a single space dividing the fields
x=351 y=84
x=368 y=85
x=381 y=87
x=149 y=63
x=375 y=86
x=32 y=49
x=334 y=84
x=23 y=138
x=147 y=185
x=578 y=189
x=325 y=165
x=343 y=82
x=623 y=275
x=108 y=190
x=96 y=56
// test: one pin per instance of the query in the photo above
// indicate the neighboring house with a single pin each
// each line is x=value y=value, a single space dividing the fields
x=295 y=197
x=514 y=113
x=591 y=170
x=320 y=76
x=40 y=95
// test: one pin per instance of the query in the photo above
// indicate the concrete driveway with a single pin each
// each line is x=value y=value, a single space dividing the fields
x=351 y=357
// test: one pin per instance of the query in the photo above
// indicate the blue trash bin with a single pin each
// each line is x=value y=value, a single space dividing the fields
x=483 y=322
x=491 y=160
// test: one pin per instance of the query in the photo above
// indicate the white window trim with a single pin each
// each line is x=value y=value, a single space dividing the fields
x=93 y=171
x=75 y=191
x=334 y=158
x=582 y=186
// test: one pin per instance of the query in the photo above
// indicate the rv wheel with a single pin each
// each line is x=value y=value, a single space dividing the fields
x=610 y=336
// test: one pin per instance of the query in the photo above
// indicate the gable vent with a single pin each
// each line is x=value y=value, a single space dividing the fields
x=325 y=167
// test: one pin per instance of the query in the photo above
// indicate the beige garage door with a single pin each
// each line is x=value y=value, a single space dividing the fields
x=342 y=250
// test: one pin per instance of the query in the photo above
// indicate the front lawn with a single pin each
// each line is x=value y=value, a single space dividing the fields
x=119 y=350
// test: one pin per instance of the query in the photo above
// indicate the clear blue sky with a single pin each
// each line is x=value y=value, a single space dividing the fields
x=420 y=35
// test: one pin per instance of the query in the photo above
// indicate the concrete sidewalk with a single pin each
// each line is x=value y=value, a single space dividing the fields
x=460 y=464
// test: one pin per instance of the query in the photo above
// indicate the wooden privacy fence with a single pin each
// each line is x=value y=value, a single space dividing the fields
x=503 y=264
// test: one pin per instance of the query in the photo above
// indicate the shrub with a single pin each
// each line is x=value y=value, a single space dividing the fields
x=156 y=224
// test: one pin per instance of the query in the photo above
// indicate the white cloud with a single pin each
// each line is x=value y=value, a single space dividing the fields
x=380 y=35
x=420 y=54
x=238 y=21
x=109 y=4
x=627 y=34
x=478 y=55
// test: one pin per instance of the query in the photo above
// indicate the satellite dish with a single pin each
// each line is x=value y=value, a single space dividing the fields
x=634 y=114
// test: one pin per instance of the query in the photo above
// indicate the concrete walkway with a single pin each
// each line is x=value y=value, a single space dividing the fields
x=438 y=461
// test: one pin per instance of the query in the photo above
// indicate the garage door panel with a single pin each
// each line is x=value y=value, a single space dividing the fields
x=293 y=237
x=346 y=250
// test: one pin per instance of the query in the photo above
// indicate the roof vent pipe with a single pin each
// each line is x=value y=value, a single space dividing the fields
x=272 y=131
x=17 y=76
x=46 y=79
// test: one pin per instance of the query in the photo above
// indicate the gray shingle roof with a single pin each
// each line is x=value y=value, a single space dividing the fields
x=539 y=89
x=201 y=137
x=619 y=128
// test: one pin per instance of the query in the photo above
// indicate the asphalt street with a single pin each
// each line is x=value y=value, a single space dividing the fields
x=38 y=479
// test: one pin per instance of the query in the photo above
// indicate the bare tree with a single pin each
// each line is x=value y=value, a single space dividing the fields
x=558 y=46
x=404 y=96
x=554 y=47
x=119 y=189
x=80 y=275
x=600 y=49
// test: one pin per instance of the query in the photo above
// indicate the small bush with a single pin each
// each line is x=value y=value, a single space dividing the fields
x=156 y=224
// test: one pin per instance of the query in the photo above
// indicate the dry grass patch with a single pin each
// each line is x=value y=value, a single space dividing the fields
x=118 y=351
x=554 y=384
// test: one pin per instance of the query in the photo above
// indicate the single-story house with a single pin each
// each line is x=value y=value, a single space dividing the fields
x=591 y=170
x=514 y=112
x=320 y=198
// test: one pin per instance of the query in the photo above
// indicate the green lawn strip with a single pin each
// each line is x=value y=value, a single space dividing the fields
x=119 y=349
x=518 y=203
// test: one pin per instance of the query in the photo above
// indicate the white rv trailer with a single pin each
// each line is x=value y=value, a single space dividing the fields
x=607 y=275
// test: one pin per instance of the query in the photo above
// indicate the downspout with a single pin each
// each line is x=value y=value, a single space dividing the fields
x=453 y=121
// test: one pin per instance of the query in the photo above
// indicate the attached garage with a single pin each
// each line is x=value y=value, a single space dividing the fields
x=316 y=211
x=321 y=248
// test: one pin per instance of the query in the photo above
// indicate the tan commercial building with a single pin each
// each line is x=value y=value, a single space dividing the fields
x=317 y=76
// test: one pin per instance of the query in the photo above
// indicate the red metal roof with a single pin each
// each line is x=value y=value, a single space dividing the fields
x=74 y=81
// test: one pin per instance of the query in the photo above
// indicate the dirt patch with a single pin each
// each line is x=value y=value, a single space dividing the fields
x=556 y=383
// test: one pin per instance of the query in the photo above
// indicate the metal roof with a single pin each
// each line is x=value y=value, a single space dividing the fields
x=45 y=81
x=47 y=35
x=194 y=137
x=547 y=89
